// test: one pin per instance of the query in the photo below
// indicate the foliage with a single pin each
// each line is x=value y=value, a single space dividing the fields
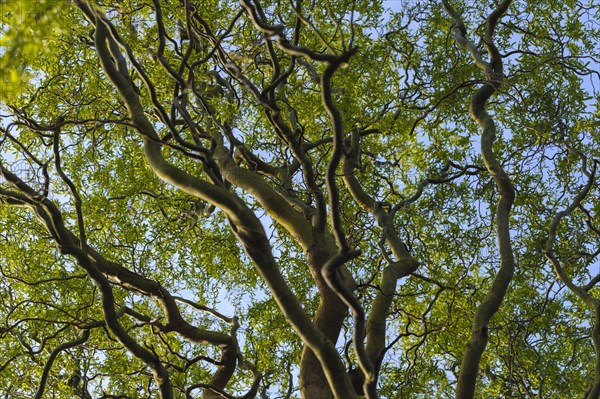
x=299 y=199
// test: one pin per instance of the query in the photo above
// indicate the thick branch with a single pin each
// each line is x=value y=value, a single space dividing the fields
x=403 y=266
x=62 y=347
x=490 y=305
x=581 y=292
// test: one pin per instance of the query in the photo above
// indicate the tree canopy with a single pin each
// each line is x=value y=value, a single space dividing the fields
x=296 y=199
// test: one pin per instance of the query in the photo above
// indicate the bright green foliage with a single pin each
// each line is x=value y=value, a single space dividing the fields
x=218 y=105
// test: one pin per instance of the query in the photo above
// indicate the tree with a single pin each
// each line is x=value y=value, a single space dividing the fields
x=299 y=199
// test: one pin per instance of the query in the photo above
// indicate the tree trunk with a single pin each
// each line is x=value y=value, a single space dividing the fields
x=328 y=318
